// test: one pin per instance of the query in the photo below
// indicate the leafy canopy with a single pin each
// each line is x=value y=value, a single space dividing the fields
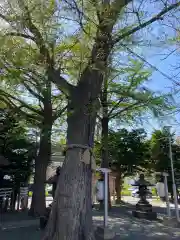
x=15 y=146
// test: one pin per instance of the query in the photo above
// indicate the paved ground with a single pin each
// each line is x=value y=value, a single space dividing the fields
x=25 y=233
x=125 y=228
x=153 y=201
x=120 y=221
x=128 y=228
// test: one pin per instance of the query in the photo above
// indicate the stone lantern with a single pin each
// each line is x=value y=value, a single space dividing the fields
x=143 y=207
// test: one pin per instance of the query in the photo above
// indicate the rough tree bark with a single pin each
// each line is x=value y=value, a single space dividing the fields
x=71 y=216
x=104 y=123
x=105 y=130
x=38 y=204
x=41 y=163
x=104 y=139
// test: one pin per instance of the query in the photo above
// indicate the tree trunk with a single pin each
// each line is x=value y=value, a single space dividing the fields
x=71 y=216
x=104 y=139
x=38 y=204
x=104 y=122
x=118 y=187
x=104 y=133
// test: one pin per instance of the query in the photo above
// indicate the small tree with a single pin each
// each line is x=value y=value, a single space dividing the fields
x=125 y=99
x=128 y=151
x=16 y=147
x=160 y=158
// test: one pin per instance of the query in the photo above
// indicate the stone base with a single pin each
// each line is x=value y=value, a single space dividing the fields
x=145 y=215
x=144 y=207
x=104 y=233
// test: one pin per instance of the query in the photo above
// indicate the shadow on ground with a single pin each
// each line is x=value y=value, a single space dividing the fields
x=120 y=221
x=127 y=227
x=25 y=233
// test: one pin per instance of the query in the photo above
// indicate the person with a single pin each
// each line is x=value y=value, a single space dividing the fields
x=100 y=190
x=160 y=188
x=54 y=180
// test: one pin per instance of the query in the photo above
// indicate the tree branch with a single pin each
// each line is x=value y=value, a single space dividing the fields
x=35 y=31
x=23 y=104
x=28 y=73
x=61 y=82
x=32 y=92
x=59 y=112
x=16 y=34
x=64 y=86
x=150 y=21
x=16 y=109
x=5 y=18
x=124 y=110
x=115 y=106
x=36 y=84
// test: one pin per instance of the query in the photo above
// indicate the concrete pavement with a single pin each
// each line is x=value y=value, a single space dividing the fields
x=23 y=233
x=120 y=222
x=124 y=227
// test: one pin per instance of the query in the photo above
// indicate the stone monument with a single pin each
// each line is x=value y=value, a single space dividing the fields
x=143 y=207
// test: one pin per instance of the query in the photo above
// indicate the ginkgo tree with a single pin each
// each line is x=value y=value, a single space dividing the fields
x=71 y=216
x=27 y=89
x=124 y=97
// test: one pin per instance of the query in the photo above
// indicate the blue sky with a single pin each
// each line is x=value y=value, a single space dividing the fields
x=161 y=83
x=155 y=45
x=156 y=49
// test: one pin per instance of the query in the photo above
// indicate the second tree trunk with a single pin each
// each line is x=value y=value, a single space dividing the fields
x=38 y=199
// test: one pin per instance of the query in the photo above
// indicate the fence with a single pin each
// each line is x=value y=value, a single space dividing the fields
x=5 y=194
x=23 y=198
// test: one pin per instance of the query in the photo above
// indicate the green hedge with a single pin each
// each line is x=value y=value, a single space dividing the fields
x=154 y=192
x=126 y=192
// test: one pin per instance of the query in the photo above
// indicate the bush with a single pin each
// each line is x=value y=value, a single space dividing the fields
x=30 y=194
x=126 y=192
x=154 y=192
